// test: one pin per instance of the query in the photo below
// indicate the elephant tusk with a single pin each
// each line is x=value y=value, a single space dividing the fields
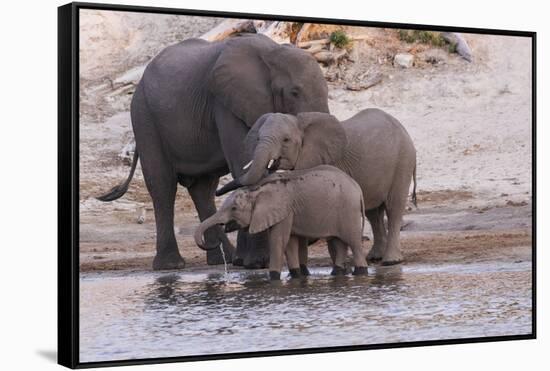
x=247 y=165
x=270 y=163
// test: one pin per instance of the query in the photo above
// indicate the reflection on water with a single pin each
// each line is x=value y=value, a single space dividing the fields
x=144 y=315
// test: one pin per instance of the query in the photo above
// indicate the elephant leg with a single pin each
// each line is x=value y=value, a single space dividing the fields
x=161 y=182
x=376 y=220
x=242 y=248
x=257 y=250
x=162 y=185
x=292 y=257
x=202 y=191
x=279 y=236
x=163 y=193
x=302 y=253
x=338 y=251
x=252 y=250
x=331 y=251
x=395 y=209
x=359 y=255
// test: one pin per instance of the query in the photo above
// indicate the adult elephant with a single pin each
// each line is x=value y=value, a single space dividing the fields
x=190 y=114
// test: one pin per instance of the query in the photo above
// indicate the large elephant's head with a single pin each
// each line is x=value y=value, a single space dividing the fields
x=283 y=141
x=254 y=75
x=258 y=209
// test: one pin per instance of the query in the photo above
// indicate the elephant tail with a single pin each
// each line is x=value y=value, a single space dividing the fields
x=362 y=215
x=413 y=197
x=119 y=190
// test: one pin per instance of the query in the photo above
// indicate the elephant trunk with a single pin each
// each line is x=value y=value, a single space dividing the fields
x=217 y=218
x=262 y=161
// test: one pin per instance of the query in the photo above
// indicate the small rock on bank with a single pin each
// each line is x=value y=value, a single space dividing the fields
x=403 y=60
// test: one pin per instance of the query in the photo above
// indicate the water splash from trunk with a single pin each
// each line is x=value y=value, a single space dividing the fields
x=225 y=274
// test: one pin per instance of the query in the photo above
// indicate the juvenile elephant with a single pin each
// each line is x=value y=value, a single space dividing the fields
x=322 y=202
x=372 y=147
x=190 y=114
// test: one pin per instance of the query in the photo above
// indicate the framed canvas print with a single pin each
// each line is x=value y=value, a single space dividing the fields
x=240 y=185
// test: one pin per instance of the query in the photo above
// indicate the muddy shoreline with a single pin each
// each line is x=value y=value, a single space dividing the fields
x=432 y=235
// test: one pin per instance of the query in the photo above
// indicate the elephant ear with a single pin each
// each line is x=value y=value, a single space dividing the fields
x=271 y=206
x=324 y=140
x=240 y=78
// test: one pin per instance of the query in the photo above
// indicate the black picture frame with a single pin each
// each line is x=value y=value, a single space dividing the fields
x=68 y=183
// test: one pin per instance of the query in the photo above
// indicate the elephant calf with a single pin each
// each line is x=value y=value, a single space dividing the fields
x=322 y=202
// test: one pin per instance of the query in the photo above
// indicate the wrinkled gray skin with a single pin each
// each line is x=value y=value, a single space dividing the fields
x=322 y=202
x=190 y=113
x=372 y=147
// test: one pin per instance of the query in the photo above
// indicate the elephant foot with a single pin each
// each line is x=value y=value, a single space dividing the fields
x=360 y=271
x=391 y=262
x=274 y=276
x=373 y=260
x=295 y=273
x=374 y=256
x=215 y=256
x=338 y=271
x=168 y=262
x=304 y=270
x=392 y=257
x=256 y=264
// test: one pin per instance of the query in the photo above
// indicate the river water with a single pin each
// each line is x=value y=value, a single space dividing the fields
x=204 y=311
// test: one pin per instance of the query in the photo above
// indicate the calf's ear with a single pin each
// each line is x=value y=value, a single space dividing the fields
x=271 y=206
x=324 y=139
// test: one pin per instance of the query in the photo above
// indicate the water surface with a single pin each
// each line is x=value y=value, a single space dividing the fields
x=147 y=315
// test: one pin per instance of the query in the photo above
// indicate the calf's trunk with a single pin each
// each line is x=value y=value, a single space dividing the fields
x=217 y=218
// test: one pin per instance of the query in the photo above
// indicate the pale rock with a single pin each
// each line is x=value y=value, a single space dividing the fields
x=403 y=60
